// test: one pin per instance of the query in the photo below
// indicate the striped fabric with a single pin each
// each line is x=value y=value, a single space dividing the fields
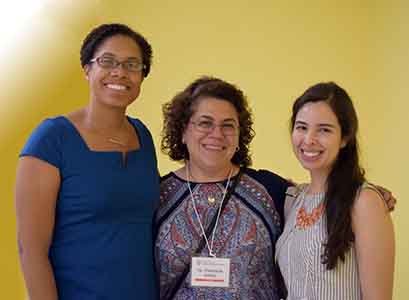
x=298 y=253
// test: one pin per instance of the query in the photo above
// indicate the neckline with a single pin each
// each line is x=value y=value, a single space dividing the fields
x=307 y=200
x=85 y=145
x=304 y=190
x=224 y=181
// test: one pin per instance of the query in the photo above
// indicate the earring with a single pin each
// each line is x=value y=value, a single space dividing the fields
x=237 y=149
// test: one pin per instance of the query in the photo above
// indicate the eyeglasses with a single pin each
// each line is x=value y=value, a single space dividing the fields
x=205 y=126
x=107 y=62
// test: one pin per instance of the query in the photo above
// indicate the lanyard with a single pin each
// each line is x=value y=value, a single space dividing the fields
x=209 y=246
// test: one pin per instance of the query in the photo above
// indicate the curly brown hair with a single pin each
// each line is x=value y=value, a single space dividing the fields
x=178 y=111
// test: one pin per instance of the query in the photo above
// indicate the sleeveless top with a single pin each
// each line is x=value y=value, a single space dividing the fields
x=299 y=251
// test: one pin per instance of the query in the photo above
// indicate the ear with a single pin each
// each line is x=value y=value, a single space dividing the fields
x=344 y=142
x=86 y=69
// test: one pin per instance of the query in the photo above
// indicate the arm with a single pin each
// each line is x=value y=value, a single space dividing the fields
x=375 y=245
x=37 y=185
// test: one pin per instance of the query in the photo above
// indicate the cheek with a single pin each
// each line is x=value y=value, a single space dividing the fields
x=295 y=139
x=234 y=142
x=137 y=80
x=189 y=138
x=335 y=150
x=335 y=144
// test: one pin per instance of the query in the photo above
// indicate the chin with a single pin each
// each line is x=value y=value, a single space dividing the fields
x=309 y=166
x=119 y=103
x=214 y=164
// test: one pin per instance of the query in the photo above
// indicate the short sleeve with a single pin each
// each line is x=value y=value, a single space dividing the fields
x=45 y=143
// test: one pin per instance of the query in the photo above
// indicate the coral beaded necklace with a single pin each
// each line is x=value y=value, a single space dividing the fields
x=304 y=219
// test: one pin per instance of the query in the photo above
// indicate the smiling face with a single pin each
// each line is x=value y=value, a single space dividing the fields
x=116 y=86
x=212 y=150
x=316 y=137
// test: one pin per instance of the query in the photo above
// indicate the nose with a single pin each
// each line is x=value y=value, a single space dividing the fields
x=310 y=138
x=119 y=71
x=217 y=131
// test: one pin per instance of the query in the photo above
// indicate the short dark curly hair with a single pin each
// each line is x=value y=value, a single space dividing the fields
x=98 y=35
x=178 y=111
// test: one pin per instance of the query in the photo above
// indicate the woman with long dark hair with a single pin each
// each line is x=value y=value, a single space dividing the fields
x=338 y=241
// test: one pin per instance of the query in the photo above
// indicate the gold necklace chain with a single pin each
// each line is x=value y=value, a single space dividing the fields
x=108 y=138
x=117 y=142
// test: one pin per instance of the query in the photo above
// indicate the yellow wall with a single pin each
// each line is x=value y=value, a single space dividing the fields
x=272 y=50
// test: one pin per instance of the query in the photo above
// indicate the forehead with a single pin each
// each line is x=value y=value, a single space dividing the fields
x=215 y=108
x=317 y=112
x=121 y=46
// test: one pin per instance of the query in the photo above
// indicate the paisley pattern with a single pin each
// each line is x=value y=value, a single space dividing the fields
x=246 y=233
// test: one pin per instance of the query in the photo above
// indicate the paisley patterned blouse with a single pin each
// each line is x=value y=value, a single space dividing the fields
x=246 y=233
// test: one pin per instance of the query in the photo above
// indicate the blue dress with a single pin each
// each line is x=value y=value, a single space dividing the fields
x=102 y=242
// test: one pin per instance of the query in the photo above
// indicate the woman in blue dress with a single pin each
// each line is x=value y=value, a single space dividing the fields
x=87 y=184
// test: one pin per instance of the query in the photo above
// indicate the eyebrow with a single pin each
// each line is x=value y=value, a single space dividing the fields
x=319 y=124
x=113 y=55
x=211 y=118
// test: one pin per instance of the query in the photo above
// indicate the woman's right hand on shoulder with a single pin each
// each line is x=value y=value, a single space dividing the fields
x=37 y=186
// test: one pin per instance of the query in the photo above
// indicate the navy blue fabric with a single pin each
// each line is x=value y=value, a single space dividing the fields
x=275 y=185
x=102 y=242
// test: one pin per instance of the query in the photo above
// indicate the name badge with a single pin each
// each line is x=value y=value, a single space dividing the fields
x=210 y=271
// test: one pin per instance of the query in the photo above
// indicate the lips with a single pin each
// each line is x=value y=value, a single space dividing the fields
x=214 y=147
x=310 y=155
x=116 y=86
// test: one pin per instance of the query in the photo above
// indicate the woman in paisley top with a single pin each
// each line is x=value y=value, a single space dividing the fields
x=208 y=127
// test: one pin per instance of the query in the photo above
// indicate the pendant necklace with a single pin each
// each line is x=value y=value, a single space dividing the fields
x=211 y=199
x=112 y=140
x=209 y=245
x=117 y=142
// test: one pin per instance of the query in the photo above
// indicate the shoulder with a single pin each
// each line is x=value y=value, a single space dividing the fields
x=368 y=206
x=48 y=132
x=164 y=178
x=274 y=184
x=138 y=124
x=171 y=192
x=268 y=178
x=169 y=183
x=142 y=130
x=368 y=197
x=50 y=127
x=292 y=193
x=45 y=142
